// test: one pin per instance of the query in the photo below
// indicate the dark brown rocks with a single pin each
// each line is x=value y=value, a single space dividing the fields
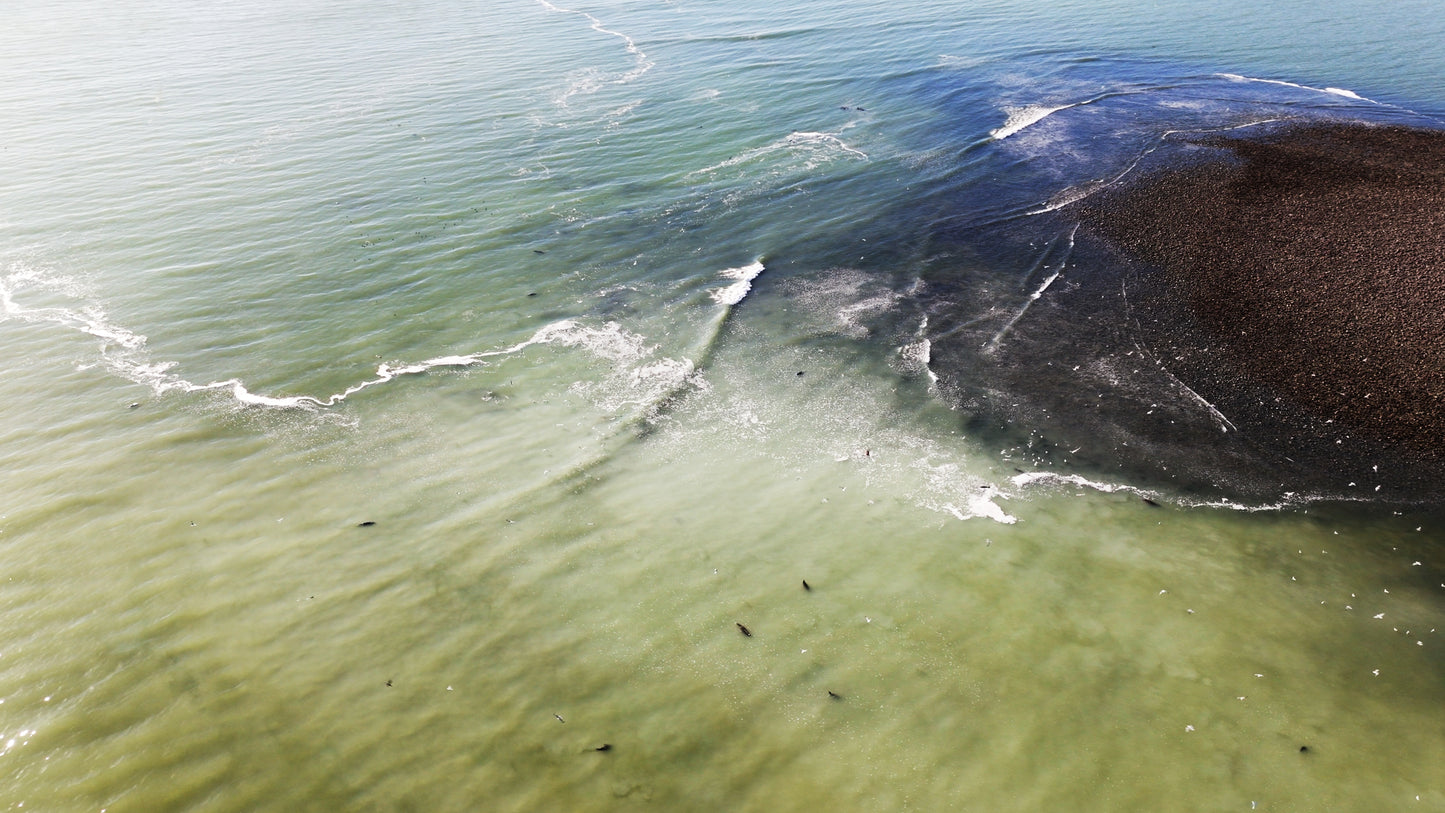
x=1310 y=261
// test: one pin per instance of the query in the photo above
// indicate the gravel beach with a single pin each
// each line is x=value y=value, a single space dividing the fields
x=1307 y=262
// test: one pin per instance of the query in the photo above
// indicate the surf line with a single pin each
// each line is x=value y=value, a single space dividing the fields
x=1348 y=94
x=663 y=380
x=604 y=341
x=687 y=373
x=566 y=332
x=124 y=351
x=1022 y=118
x=729 y=297
x=643 y=64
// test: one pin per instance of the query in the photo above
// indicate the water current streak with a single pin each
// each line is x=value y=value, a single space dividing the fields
x=1058 y=270
x=1225 y=424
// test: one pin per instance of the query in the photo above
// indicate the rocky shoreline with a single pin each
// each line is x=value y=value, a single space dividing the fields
x=1297 y=272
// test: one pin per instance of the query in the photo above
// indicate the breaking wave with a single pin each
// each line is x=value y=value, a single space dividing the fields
x=647 y=380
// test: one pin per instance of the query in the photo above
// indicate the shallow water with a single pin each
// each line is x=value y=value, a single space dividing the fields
x=619 y=322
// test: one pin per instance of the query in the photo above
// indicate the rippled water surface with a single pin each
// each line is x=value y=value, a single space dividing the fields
x=535 y=406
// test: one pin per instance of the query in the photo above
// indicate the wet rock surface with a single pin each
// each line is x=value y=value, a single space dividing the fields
x=1295 y=279
x=1256 y=314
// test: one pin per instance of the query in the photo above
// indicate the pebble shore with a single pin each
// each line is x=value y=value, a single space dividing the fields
x=1310 y=261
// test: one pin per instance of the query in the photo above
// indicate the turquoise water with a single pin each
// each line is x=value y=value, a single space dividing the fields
x=619 y=321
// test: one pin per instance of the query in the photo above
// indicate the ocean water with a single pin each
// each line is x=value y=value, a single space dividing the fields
x=404 y=401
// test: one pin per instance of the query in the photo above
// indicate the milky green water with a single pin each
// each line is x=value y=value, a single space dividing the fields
x=484 y=277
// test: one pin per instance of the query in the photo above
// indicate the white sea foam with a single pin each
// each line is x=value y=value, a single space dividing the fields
x=610 y=342
x=591 y=80
x=847 y=299
x=649 y=386
x=828 y=139
x=1034 y=478
x=1021 y=118
x=89 y=319
x=815 y=149
x=982 y=505
x=1231 y=505
x=951 y=491
x=1348 y=94
x=1225 y=424
x=917 y=355
x=637 y=378
x=743 y=276
x=1074 y=194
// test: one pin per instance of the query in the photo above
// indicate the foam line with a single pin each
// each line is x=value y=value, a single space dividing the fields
x=1348 y=94
x=662 y=382
x=643 y=64
x=1290 y=499
x=1225 y=424
x=566 y=332
x=817 y=143
x=1333 y=91
x=734 y=293
x=824 y=138
x=1035 y=477
x=669 y=379
x=1021 y=118
x=123 y=350
x=659 y=381
x=918 y=354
